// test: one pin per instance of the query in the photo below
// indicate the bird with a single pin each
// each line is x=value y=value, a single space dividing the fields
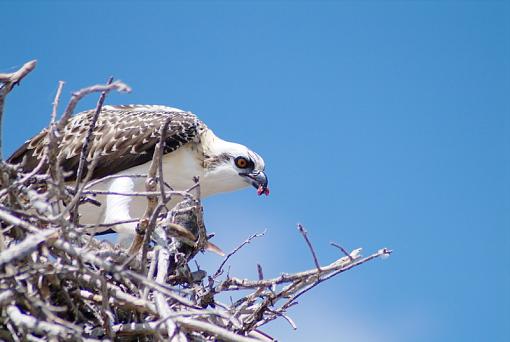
x=124 y=141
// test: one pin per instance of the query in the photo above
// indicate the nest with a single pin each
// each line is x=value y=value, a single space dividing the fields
x=58 y=283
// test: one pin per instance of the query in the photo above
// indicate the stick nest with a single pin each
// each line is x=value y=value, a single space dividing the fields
x=58 y=283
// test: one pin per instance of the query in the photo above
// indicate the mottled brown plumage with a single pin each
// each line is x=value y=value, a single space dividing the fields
x=124 y=137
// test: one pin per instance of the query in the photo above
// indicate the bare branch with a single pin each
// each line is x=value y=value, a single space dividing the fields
x=51 y=148
x=15 y=78
x=107 y=178
x=161 y=304
x=7 y=82
x=343 y=264
x=32 y=324
x=136 y=194
x=26 y=247
x=219 y=271
x=342 y=249
x=152 y=212
x=259 y=271
x=77 y=96
x=85 y=149
x=142 y=233
x=221 y=333
x=304 y=233
x=160 y=151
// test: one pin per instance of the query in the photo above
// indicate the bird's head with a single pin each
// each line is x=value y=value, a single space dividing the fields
x=231 y=166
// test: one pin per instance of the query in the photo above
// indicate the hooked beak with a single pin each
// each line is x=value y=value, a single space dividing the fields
x=259 y=180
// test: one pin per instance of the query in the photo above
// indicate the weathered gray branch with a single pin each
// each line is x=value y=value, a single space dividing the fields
x=27 y=246
x=85 y=149
x=31 y=324
x=7 y=82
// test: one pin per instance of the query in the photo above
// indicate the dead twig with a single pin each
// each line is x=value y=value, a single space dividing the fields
x=31 y=324
x=142 y=234
x=160 y=152
x=304 y=233
x=85 y=149
x=342 y=249
x=7 y=82
x=12 y=79
x=161 y=304
x=107 y=178
x=77 y=96
x=219 y=271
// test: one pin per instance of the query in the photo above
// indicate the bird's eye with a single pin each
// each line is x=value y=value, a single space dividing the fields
x=241 y=162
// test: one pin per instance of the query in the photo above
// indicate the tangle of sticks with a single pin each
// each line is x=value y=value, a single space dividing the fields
x=58 y=283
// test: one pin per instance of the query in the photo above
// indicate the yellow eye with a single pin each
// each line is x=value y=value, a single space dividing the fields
x=241 y=162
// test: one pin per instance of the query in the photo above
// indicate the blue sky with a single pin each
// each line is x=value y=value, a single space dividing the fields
x=383 y=124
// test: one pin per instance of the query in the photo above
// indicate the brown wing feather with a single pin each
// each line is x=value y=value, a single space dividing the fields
x=124 y=137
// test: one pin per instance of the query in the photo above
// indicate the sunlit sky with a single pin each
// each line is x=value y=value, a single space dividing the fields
x=382 y=124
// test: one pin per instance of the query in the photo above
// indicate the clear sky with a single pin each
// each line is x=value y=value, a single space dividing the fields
x=383 y=124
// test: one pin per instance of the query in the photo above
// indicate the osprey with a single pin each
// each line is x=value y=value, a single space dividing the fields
x=124 y=141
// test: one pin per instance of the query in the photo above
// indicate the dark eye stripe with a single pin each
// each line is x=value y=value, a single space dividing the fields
x=257 y=160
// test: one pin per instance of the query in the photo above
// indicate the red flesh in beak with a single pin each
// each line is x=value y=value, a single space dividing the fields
x=262 y=190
